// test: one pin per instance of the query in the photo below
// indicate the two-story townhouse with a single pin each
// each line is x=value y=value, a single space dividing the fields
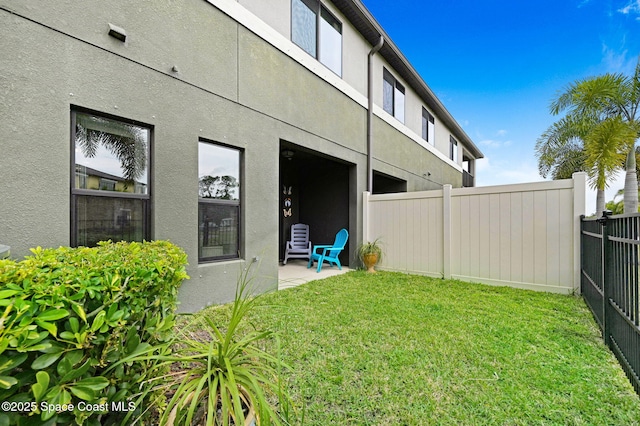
x=226 y=121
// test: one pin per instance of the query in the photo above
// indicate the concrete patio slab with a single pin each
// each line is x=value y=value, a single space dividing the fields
x=295 y=272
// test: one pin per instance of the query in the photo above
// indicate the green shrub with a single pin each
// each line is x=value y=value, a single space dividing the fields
x=67 y=314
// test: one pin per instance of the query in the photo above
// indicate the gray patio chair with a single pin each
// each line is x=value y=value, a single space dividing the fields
x=299 y=247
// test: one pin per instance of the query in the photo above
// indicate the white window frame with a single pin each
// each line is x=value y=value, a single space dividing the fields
x=325 y=22
x=397 y=101
x=428 y=127
x=453 y=149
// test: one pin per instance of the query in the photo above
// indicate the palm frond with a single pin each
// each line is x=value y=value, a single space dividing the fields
x=594 y=96
x=128 y=143
x=632 y=94
x=560 y=148
x=595 y=133
x=607 y=146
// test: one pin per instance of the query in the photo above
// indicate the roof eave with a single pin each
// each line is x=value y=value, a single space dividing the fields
x=360 y=17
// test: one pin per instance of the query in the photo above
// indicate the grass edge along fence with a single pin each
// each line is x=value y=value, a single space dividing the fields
x=610 y=285
x=393 y=348
x=67 y=314
x=520 y=235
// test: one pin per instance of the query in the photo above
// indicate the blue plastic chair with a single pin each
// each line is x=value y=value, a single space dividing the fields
x=330 y=253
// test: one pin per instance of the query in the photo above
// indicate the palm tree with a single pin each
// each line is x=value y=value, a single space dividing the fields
x=597 y=134
x=126 y=142
x=616 y=206
x=560 y=149
x=631 y=184
x=607 y=146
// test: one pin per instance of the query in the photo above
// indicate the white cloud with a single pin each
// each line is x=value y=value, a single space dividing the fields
x=631 y=8
x=505 y=173
x=523 y=173
x=491 y=143
x=495 y=142
x=617 y=61
x=490 y=173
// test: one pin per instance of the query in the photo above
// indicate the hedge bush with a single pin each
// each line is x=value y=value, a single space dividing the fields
x=67 y=314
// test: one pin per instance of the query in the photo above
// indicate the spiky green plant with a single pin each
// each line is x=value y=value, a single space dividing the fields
x=370 y=247
x=225 y=378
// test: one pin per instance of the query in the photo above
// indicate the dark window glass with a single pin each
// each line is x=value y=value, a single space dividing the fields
x=111 y=152
x=304 y=25
x=428 y=126
x=387 y=94
x=218 y=233
x=110 y=189
x=317 y=32
x=453 y=149
x=398 y=105
x=392 y=96
x=424 y=125
x=219 y=202
x=109 y=218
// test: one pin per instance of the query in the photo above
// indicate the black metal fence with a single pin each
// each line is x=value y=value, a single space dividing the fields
x=610 y=285
x=92 y=231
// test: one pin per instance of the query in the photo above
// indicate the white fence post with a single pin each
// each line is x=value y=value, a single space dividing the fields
x=579 y=200
x=533 y=241
x=446 y=228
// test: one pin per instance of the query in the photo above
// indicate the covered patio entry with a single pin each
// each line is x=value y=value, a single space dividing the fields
x=318 y=190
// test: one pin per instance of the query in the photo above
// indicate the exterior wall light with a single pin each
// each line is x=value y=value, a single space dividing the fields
x=287 y=153
x=117 y=32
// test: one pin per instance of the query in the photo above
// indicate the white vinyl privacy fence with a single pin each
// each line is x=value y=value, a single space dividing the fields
x=524 y=235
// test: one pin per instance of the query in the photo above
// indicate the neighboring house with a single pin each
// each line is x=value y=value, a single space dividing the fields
x=88 y=178
x=233 y=120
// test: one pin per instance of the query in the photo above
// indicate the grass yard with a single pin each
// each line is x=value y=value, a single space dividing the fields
x=396 y=349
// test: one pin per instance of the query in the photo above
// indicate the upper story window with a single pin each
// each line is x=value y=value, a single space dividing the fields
x=428 y=127
x=219 y=219
x=107 y=184
x=393 y=96
x=110 y=161
x=317 y=32
x=453 y=149
x=81 y=179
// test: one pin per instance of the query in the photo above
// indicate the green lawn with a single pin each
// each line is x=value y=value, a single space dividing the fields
x=395 y=349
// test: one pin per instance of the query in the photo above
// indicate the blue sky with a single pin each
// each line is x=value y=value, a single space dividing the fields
x=496 y=65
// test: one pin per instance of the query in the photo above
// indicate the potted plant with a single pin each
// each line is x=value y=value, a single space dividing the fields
x=370 y=253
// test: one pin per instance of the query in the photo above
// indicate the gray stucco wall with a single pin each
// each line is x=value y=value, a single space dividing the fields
x=400 y=156
x=231 y=87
